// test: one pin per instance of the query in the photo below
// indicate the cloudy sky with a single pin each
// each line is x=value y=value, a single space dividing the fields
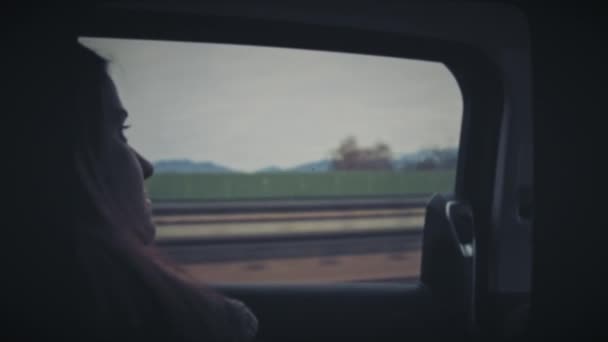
x=251 y=107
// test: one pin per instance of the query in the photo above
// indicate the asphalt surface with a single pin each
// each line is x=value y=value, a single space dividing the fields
x=398 y=267
x=204 y=251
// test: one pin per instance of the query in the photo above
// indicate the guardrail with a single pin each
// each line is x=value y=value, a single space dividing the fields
x=288 y=205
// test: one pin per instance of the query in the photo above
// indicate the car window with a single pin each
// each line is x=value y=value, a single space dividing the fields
x=277 y=165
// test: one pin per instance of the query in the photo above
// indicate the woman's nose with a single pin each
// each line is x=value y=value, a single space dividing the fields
x=146 y=166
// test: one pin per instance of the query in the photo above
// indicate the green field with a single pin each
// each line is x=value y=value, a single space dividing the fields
x=228 y=186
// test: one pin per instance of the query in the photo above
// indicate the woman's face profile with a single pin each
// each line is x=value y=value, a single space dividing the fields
x=124 y=169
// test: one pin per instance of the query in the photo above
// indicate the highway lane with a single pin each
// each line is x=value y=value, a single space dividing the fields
x=376 y=267
x=326 y=259
x=222 y=250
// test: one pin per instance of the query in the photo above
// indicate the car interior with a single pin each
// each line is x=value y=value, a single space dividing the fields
x=476 y=264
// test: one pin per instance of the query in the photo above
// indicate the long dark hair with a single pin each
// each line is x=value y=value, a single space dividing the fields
x=76 y=266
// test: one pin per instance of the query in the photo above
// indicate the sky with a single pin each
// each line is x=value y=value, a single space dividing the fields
x=251 y=107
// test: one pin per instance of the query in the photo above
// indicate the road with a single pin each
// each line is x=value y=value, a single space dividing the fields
x=217 y=250
x=315 y=246
x=402 y=266
x=325 y=260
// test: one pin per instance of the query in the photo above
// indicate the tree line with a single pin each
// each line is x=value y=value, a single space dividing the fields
x=349 y=156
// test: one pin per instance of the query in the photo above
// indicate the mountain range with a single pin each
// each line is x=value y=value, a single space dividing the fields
x=189 y=166
x=404 y=161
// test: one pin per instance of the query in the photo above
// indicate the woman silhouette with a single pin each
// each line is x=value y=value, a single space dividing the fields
x=81 y=264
